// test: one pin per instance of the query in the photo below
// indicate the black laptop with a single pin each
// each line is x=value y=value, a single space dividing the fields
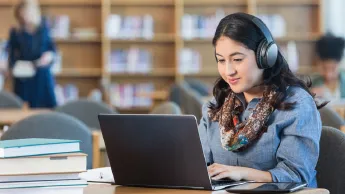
x=157 y=151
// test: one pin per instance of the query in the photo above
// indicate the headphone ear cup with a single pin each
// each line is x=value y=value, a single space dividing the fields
x=260 y=54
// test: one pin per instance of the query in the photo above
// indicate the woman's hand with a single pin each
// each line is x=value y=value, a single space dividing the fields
x=219 y=171
x=319 y=91
x=46 y=59
x=237 y=173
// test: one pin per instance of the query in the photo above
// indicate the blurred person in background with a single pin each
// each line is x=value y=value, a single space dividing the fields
x=330 y=84
x=31 y=41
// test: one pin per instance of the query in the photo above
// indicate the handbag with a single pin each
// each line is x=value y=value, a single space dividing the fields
x=24 y=69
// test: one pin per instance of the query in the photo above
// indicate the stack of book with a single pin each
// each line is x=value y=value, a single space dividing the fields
x=34 y=163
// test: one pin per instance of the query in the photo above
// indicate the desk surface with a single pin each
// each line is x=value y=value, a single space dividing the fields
x=10 y=116
x=110 y=189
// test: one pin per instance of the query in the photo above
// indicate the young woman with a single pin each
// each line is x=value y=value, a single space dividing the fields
x=263 y=123
x=31 y=41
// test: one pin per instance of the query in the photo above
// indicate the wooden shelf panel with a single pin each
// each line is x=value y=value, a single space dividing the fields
x=157 y=72
x=156 y=95
x=158 y=38
x=215 y=2
x=151 y=74
x=287 y=2
x=77 y=40
x=203 y=74
x=85 y=72
x=142 y=2
x=310 y=37
x=55 y=2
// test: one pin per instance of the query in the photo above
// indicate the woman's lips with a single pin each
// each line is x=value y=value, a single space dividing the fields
x=233 y=81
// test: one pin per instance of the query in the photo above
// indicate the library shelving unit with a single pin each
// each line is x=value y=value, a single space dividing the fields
x=303 y=26
x=84 y=61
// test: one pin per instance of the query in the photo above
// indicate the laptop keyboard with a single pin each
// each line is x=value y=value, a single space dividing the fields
x=221 y=182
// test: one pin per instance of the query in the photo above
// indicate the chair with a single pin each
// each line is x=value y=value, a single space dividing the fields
x=331 y=118
x=10 y=100
x=174 y=94
x=183 y=88
x=86 y=111
x=167 y=108
x=57 y=126
x=195 y=102
x=330 y=167
x=199 y=86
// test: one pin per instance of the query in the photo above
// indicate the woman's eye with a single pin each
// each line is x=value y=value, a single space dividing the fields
x=237 y=60
x=221 y=60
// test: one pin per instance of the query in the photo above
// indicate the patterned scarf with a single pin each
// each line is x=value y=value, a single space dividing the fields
x=235 y=135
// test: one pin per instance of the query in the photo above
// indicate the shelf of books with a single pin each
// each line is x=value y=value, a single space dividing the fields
x=129 y=47
x=296 y=25
x=141 y=53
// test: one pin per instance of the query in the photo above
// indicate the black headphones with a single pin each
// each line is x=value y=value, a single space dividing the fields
x=267 y=51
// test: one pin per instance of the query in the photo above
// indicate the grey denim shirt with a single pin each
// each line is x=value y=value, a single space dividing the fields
x=289 y=150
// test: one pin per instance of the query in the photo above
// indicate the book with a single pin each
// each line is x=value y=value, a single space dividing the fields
x=36 y=184
x=45 y=190
x=36 y=146
x=39 y=177
x=44 y=164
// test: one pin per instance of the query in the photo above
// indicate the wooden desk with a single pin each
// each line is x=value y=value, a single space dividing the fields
x=10 y=116
x=110 y=189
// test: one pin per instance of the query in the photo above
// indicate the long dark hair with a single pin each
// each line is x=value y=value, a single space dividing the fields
x=240 y=29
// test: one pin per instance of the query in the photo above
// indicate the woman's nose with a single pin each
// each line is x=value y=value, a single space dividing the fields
x=229 y=69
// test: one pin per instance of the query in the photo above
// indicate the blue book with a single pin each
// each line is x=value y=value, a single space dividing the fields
x=37 y=146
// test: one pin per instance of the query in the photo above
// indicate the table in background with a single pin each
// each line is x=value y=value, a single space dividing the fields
x=11 y=116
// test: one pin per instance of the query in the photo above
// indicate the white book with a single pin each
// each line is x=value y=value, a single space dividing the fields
x=42 y=184
x=147 y=28
x=39 y=177
x=46 y=190
x=36 y=146
x=48 y=164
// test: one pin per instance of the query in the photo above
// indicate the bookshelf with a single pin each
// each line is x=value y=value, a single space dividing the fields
x=85 y=60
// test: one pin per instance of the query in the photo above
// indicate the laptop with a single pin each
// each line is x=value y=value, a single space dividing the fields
x=157 y=151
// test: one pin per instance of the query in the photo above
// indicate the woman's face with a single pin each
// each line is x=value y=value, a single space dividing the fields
x=237 y=65
x=21 y=16
x=329 y=70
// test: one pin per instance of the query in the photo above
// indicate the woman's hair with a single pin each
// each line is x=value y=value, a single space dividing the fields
x=240 y=29
x=330 y=47
x=31 y=10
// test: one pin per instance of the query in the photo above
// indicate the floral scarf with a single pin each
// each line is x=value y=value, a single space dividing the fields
x=236 y=135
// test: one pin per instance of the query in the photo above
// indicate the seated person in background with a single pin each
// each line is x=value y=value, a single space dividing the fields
x=331 y=84
x=263 y=123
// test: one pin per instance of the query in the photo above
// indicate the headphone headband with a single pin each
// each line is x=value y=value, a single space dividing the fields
x=261 y=25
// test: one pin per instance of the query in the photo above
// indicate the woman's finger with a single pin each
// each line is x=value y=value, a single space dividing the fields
x=221 y=175
x=215 y=171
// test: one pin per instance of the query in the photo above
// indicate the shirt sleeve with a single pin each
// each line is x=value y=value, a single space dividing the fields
x=12 y=48
x=298 y=152
x=203 y=127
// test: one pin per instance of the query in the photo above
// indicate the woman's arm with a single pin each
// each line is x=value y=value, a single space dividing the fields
x=297 y=154
x=220 y=171
x=48 y=55
x=12 y=48
x=298 y=151
x=203 y=127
